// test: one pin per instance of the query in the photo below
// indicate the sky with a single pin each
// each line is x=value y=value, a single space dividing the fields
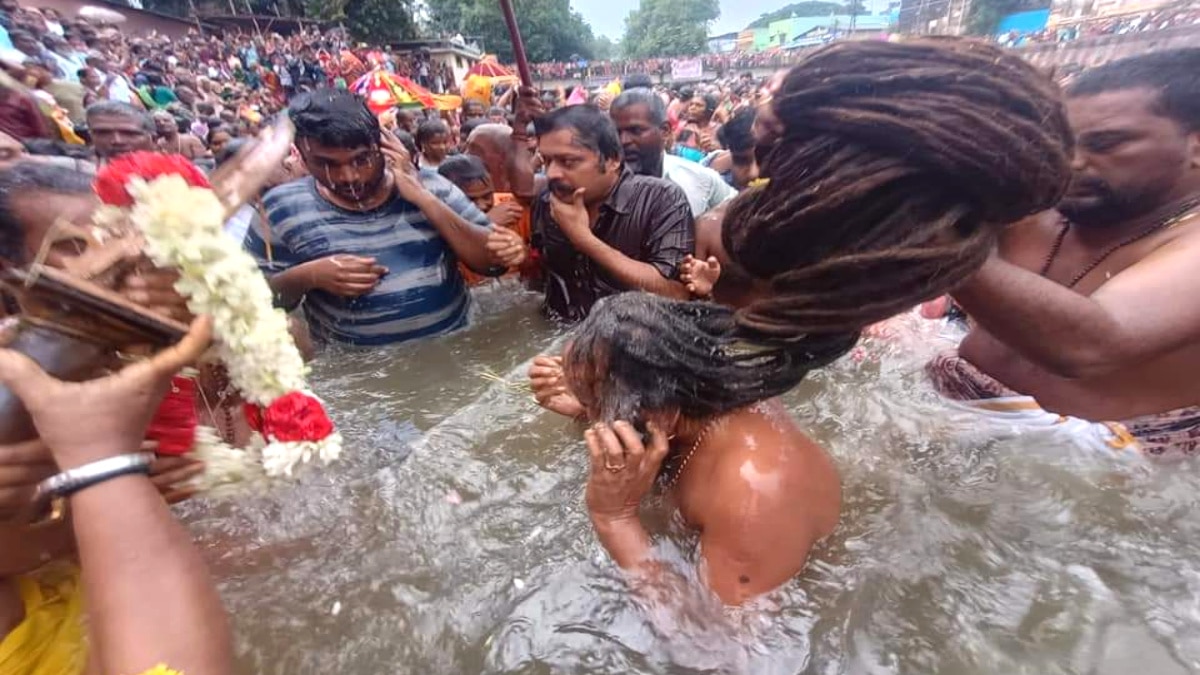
x=607 y=17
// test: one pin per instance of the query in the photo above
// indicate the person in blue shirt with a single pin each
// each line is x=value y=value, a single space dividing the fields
x=367 y=242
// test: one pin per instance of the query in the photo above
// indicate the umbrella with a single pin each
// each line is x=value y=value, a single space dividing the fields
x=490 y=68
x=384 y=90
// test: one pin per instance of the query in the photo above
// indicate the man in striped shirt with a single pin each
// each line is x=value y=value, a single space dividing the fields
x=369 y=244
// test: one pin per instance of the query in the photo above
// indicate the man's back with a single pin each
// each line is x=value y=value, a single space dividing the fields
x=705 y=189
x=422 y=294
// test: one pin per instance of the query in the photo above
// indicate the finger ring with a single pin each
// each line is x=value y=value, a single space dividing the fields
x=614 y=469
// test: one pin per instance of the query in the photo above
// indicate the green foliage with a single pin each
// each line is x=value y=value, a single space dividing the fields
x=669 y=28
x=807 y=8
x=604 y=49
x=550 y=29
x=374 y=21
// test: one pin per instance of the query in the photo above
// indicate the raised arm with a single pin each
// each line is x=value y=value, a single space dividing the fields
x=150 y=599
x=1135 y=317
x=672 y=239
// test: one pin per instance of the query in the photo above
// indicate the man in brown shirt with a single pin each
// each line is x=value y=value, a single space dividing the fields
x=601 y=229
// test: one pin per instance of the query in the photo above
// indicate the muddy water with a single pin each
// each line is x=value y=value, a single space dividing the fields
x=453 y=538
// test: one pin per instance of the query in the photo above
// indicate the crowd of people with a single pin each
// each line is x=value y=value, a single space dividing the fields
x=708 y=247
x=1174 y=16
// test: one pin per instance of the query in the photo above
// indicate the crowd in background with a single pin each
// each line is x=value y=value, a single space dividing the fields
x=1176 y=16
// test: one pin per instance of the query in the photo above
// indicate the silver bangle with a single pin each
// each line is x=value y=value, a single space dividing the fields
x=71 y=481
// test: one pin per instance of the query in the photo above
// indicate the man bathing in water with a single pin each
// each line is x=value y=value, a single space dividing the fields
x=1088 y=312
x=877 y=198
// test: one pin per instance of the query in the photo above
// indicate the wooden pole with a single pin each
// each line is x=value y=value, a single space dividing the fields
x=514 y=34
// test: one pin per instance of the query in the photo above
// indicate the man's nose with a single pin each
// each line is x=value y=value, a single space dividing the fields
x=1078 y=161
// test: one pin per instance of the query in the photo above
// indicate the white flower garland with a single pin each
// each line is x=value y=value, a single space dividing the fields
x=183 y=229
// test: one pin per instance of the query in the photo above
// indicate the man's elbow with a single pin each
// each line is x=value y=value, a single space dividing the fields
x=1089 y=362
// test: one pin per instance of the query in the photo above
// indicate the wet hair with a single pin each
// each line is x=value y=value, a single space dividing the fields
x=897 y=167
x=590 y=126
x=462 y=170
x=637 y=81
x=737 y=135
x=428 y=129
x=406 y=139
x=24 y=178
x=710 y=103
x=646 y=97
x=641 y=352
x=334 y=118
x=122 y=109
x=1174 y=74
x=494 y=110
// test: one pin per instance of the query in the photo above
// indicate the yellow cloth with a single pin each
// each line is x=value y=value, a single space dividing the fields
x=478 y=88
x=50 y=641
x=161 y=670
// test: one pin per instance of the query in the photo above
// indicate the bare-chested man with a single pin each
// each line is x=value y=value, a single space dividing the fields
x=1090 y=312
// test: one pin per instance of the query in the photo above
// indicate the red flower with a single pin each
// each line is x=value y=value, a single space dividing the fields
x=295 y=417
x=253 y=415
x=112 y=179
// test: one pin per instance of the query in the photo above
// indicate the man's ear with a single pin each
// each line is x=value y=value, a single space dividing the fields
x=1194 y=149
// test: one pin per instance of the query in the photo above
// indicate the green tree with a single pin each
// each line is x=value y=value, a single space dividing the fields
x=375 y=21
x=604 y=49
x=550 y=29
x=807 y=8
x=669 y=28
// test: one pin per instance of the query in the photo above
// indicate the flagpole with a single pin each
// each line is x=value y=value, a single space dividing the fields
x=514 y=34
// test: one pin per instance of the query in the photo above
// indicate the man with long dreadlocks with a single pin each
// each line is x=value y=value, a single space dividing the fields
x=1088 y=313
x=893 y=169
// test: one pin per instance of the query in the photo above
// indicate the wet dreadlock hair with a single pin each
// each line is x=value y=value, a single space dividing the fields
x=898 y=165
x=896 y=168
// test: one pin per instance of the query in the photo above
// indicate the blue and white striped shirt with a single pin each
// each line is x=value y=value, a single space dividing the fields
x=422 y=294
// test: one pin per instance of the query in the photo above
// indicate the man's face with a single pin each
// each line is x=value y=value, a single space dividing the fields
x=497 y=117
x=744 y=167
x=641 y=140
x=696 y=110
x=472 y=110
x=481 y=193
x=436 y=147
x=40 y=212
x=570 y=166
x=116 y=136
x=27 y=44
x=1129 y=159
x=91 y=79
x=352 y=174
x=165 y=123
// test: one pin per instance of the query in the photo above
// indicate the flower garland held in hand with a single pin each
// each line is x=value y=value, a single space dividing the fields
x=175 y=210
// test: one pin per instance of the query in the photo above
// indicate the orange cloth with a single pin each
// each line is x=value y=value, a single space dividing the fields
x=523 y=228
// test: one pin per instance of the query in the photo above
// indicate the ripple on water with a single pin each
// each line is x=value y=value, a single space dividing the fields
x=452 y=539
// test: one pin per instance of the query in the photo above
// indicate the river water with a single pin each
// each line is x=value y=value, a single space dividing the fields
x=452 y=538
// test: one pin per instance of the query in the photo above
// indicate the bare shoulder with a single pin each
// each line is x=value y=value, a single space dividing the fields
x=778 y=476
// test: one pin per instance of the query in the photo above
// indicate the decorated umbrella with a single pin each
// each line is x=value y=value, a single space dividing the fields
x=384 y=90
x=489 y=67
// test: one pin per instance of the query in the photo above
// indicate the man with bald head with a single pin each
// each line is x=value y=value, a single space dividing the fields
x=494 y=145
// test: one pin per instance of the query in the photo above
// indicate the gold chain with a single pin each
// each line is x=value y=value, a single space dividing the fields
x=687 y=458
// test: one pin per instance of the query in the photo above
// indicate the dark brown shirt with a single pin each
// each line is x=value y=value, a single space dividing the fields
x=647 y=219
